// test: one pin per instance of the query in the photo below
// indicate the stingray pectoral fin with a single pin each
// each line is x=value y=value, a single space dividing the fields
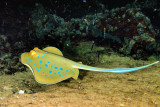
x=53 y=50
x=35 y=76
x=76 y=73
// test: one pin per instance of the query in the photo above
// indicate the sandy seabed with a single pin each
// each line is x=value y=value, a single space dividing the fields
x=135 y=89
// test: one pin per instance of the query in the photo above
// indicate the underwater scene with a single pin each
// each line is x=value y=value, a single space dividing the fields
x=79 y=53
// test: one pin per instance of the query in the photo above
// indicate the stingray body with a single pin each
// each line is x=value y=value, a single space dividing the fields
x=49 y=66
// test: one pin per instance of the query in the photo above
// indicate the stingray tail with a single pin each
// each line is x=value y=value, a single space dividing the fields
x=115 y=70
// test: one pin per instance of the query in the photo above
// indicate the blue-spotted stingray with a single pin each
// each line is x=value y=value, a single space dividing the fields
x=50 y=67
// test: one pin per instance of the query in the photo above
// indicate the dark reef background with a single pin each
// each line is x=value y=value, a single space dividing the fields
x=129 y=27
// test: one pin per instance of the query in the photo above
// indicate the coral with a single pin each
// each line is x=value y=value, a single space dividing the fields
x=45 y=23
x=131 y=24
x=9 y=62
x=127 y=46
x=4 y=45
x=4 y=52
x=127 y=30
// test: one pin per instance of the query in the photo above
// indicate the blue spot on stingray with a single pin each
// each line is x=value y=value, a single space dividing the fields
x=55 y=67
x=43 y=72
x=37 y=56
x=48 y=62
x=40 y=61
x=54 y=73
x=58 y=72
x=40 y=67
x=50 y=76
x=67 y=70
x=60 y=75
x=46 y=65
x=57 y=76
x=75 y=70
x=69 y=73
x=45 y=75
x=27 y=55
x=51 y=66
x=42 y=56
x=66 y=73
x=33 y=60
x=29 y=59
x=37 y=70
x=61 y=68
x=63 y=72
x=25 y=58
x=33 y=64
x=50 y=71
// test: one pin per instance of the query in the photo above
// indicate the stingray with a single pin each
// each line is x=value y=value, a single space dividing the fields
x=50 y=67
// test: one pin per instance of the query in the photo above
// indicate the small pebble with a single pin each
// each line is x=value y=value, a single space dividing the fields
x=21 y=92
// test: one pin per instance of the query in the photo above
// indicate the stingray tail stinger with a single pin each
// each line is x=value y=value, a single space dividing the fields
x=115 y=70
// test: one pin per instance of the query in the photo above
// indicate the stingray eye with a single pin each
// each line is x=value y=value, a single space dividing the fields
x=32 y=52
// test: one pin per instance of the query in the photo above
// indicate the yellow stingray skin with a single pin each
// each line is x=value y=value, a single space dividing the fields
x=49 y=66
